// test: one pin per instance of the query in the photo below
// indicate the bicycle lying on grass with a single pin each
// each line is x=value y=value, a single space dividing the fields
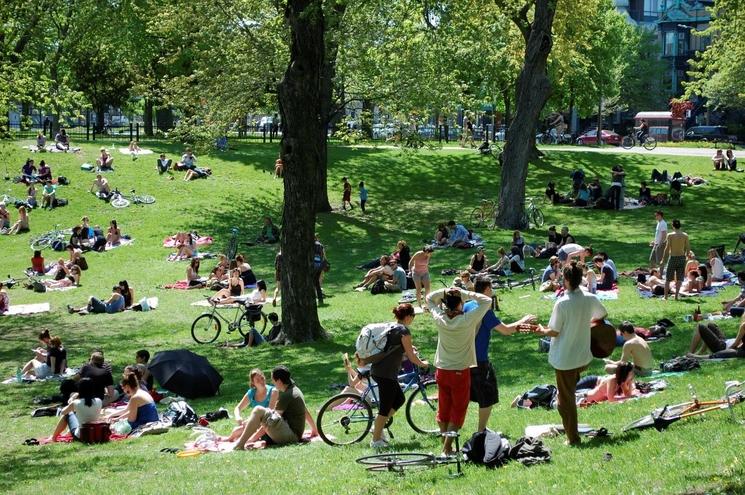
x=347 y=418
x=118 y=200
x=661 y=418
x=46 y=239
x=399 y=462
x=207 y=327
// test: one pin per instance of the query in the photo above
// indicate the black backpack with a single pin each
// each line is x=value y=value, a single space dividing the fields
x=378 y=287
x=680 y=363
x=487 y=448
x=63 y=181
x=180 y=413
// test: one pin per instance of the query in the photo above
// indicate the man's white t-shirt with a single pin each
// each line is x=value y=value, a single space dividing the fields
x=571 y=249
x=659 y=237
x=573 y=312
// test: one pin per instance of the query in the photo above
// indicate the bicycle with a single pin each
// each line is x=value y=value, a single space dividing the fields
x=491 y=149
x=663 y=417
x=347 y=418
x=532 y=214
x=549 y=137
x=118 y=200
x=484 y=213
x=232 y=248
x=207 y=327
x=630 y=140
x=399 y=462
x=45 y=240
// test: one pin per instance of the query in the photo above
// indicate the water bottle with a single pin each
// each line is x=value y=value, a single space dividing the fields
x=19 y=375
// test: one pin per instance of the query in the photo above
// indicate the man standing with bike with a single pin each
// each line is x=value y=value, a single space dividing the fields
x=569 y=329
x=484 y=389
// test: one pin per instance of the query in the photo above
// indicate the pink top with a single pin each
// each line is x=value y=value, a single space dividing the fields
x=421 y=265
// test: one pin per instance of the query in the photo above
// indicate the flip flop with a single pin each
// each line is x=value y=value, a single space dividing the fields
x=31 y=441
x=189 y=453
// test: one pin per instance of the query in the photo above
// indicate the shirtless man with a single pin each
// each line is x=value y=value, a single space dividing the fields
x=572 y=250
x=100 y=187
x=676 y=250
x=635 y=350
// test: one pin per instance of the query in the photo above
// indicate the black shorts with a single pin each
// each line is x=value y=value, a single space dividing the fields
x=390 y=395
x=484 y=389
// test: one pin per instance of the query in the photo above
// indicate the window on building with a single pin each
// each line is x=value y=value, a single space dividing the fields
x=682 y=42
x=669 y=47
x=651 y=8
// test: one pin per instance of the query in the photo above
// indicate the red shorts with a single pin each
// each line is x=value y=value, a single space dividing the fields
x=454 y=392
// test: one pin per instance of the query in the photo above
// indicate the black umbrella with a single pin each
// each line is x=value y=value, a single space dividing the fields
x=185 y=373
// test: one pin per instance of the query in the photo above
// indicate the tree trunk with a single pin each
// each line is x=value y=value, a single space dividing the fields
x=148 y=117
x=100 y=117
x=300 y=103
x=532 y=91
x=164 y=119
x=600 y=121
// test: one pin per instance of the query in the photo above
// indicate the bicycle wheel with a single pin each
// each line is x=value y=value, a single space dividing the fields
x=41 y=242
x=477 y=217
x=666 y=412
x=546 y=138
x=421 y=409
x=205 y=329
x=650 y=143
x=536 y=216
x=397 y=458
x=246 y=323
x=119 y=202
x=344 y=419
x=627 y=142
x=145 y=199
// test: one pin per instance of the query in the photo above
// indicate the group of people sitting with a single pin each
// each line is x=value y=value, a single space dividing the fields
x=452 y=235
x=121 y=298
x=19 y=226
x=584 y=194
x=724 y=161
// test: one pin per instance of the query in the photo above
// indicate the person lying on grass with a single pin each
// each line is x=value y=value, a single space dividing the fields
x=83 y=408
x=197 y=173
x=140 y=409
x=653 y=283
x=70 y=279
x=708 y=341
x=635 y=350
x=613 y=387
x=286 y=422
x=114 y=304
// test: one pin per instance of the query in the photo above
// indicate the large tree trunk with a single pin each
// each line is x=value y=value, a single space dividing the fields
x=300 y=103
x=148 y=117
x=100 y=117
x=532 y=92
x=164 y=119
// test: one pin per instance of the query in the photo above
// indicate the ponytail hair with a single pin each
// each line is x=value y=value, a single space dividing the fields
x=130 y=380
x=402 y=311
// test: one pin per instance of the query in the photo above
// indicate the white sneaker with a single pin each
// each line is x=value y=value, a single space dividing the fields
x=379 y=444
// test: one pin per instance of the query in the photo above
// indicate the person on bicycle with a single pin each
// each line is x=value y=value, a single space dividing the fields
x=557 y=126
x=385 y=371
x=484 y=390
x=642 y=131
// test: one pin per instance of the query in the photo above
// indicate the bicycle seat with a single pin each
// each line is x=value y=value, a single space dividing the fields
x=364 y=372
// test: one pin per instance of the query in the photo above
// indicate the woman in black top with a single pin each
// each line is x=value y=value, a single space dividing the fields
x=478 y=262
x=56 y=356
x=385 y=371
x=128 y=293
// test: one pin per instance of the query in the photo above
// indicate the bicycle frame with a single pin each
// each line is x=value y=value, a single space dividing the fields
x=239 y=312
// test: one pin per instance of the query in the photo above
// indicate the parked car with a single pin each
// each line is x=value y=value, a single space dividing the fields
x=716 y=133
x=606 y=136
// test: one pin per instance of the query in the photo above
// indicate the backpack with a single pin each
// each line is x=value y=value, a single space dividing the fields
x=680 y=363
x=58 y=245
x=60 y=202
x=372 y=341
x=98 y=432
x=378 y=287
x=529 y=451
x=180 y=413
x=38 y=286
x=63 y=181
x=487 y=448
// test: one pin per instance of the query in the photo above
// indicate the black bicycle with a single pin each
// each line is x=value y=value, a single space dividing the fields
x=347 y=418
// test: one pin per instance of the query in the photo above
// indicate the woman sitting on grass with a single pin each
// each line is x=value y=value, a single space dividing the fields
x=247 y=273
x=71 y=279
x=83 y=408
x=114 y=304
x=22 y=224
x=258 y=295
x=693 y=282
x=55 y=363
x=184 y=242
x=589 y=277
x=192 y=275
x=478 y=261
x=234 y=289
x=113 y=235
x=128 y=293
x=502 y=265
x=384 y=270
x=140 y=408
x=38 y=365
x=441 y=235
x=717 y=266
x=612 y=388
x=258 y=394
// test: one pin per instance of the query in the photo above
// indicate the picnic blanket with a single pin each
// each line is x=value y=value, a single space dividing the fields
x=61 y=289
x=209 y=441
x=170 y=241
x=27 y=309
x=69 y=373
x=180 y=285
x=143 y=151
x=51 y=148
x=122 y=242
x=475 y=241
x=67 y=438
x=199 y=256
x=713 y=291
x=603 y=295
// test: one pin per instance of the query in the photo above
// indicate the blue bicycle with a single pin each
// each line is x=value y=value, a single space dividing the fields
x=347 y=418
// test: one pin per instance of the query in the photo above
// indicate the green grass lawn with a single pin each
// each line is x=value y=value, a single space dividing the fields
x=409 y=195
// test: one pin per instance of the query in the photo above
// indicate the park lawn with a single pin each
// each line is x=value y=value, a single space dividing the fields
x=409 y=194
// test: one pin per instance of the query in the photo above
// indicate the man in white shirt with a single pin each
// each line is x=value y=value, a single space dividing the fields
x=660 y=238
x=569 y=251
x=188 y=161
x=569 y=329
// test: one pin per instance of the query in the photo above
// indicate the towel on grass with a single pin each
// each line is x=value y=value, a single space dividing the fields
x=67 y=438
x=122 y=242
x=209 y=441
x=180 y=285
x=645 y=294
x=143 y=151
x=199 y=256
x=170 y=241
x=27 y=309
x=61 y=289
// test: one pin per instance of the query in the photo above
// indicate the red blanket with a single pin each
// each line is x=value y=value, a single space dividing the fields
x=67 y=438
x=180 y=285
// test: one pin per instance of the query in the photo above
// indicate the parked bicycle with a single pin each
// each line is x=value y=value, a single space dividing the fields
x=399 y=462
x=532 y=214
x=484 y=214
x=347 y=418
x=232 y=248
x=492 y=149
x=207 y=327
x=661 y=418
x=118 y=200
x=630 y=140
x=46 y=239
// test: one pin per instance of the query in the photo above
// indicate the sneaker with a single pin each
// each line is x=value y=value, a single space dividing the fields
x=379 y=444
